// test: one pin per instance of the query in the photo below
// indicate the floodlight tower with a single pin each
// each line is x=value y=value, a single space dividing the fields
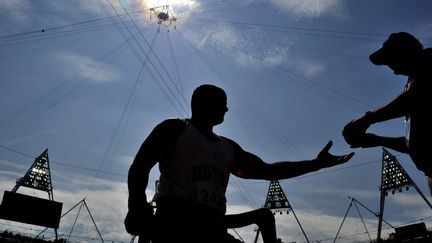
x=38 y=176
x=277 y=201
x=393 y=178
x=29 y=209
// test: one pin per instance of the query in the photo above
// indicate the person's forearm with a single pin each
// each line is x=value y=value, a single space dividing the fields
x=285 y=169
x=137 y=184
x=395 y=143
x=396 y=108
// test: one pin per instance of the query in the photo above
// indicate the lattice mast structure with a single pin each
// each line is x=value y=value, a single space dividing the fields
x=277 y=201
x=393 y=178
x=38 y=176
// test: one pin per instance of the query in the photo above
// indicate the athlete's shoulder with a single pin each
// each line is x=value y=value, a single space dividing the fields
x=171 y=124
x=231 y=142
x=166 y=133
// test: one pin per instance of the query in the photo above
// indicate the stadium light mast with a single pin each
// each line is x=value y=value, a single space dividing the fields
x=38 y=176
x=277 y=201
x=29 y=209
x=393 y=178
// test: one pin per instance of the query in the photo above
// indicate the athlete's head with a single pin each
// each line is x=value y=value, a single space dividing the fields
x=209 y=102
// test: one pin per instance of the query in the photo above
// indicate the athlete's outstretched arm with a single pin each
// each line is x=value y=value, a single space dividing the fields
x=250 y=166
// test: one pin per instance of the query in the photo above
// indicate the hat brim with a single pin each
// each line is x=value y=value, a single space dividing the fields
x=380 y=57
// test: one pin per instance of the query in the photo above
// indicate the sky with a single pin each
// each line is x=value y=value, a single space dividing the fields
x=89 y=79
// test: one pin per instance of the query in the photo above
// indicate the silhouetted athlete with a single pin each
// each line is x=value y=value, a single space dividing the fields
x=195 y=165
x=404 y=54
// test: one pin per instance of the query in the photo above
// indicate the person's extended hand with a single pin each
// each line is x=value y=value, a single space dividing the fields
x=355 y=131
x=140 y=222
x=329 y=159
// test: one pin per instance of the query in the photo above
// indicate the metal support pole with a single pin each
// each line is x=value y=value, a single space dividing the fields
x=364 y=225
x=257 y=235
x=380 y=215
x=304 y=233
x=340 y=227
x=73 y=226
x=88 y=210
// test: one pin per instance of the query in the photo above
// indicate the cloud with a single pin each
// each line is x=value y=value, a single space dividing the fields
x=107 y=202
x=306 y=67
x=16 y=12
x=11 y=167
x=88 y=67
x=244 y=48
x=310 y=8
x=254 y=48
x=335 y=191
x=124 y=160
x=409 y=204
x=108 y=207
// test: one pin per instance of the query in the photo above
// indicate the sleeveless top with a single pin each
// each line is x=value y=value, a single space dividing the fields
x=198 y=169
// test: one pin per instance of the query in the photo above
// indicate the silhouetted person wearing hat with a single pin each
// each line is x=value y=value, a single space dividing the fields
x=195 y=165
x=405 y=55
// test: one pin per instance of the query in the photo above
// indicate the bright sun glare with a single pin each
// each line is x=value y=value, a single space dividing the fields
x=177 y=8
x=173 y=4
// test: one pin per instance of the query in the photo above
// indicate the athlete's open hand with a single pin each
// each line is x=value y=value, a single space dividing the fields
x=329 y=159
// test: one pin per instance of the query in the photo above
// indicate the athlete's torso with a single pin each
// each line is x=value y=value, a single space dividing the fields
x=198 y=169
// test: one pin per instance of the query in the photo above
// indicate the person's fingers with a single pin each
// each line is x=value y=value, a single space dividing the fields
x=328 y=146
x=345 y=158
x=349 y=156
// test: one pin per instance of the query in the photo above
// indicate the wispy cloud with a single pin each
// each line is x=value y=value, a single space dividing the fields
x=409 y=204
x=311 y=8
x=306 y=67
x=254 y=48
x=88 y=67
x=108 y=206
x=251 y=48
x=16 y=10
